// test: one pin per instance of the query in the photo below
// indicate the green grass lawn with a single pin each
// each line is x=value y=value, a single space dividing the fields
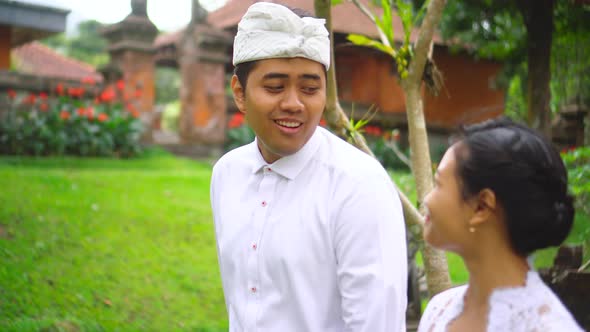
x=107 y=245
x=119 y=245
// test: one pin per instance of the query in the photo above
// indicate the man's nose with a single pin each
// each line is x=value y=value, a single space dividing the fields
x=291 y=101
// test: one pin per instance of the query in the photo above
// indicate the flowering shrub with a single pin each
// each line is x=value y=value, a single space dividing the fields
x=73 y=121
x=378 y=140
x=238 y=133
x=577 y=161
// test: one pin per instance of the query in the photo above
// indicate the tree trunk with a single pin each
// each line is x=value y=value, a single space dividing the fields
x=334 y=115
x=538 y=20
x=435 y=263
x=337 y=119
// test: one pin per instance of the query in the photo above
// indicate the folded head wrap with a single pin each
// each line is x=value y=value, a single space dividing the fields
x=269 y=30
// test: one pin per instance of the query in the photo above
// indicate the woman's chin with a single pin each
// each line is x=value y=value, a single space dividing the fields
x=430 y=238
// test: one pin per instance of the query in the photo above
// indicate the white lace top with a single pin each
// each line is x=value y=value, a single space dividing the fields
x=532 y=308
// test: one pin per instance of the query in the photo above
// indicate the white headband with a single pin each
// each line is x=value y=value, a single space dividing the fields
x=269 y=31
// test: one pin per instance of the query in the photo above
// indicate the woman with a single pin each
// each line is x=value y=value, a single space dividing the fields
x=500 y=194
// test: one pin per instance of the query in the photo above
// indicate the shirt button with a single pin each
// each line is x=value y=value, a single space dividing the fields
x=253 y=289
x=263 y=203
x=254 y=246
x=269 y=169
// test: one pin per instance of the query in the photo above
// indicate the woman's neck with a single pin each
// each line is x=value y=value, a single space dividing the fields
x=492 y=269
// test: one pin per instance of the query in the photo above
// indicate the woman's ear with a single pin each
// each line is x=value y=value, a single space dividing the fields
x=484 y=204
x=239 y=94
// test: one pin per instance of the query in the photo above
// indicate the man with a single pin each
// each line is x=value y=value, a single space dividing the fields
x=310 y=231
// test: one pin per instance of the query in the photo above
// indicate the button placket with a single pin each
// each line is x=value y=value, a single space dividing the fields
x=260 y=216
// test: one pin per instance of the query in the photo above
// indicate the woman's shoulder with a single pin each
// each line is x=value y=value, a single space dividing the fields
x=442 y=308
x=533 y=306
x=445 y=297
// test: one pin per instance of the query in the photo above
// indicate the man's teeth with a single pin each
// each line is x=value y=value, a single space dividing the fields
x=288 y=124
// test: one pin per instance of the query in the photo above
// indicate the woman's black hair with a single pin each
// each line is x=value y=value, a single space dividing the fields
x=527 y=175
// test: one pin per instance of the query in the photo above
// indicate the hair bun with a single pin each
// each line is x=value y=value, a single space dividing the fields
x=560 y=209
x=564 y=215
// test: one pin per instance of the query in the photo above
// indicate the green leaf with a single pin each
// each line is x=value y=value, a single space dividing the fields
x=387 y=21
x=404 y=10
x=336 y=2
x=421 y=12
x=361 y=40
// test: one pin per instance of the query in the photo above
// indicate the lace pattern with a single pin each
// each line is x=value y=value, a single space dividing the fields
x=532 y=308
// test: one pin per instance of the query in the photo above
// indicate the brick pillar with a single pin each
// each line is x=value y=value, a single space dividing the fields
x=202 y=58
x=5 y=46
x=132 y=54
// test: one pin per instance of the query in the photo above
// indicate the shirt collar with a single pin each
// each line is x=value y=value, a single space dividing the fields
x=289 y=166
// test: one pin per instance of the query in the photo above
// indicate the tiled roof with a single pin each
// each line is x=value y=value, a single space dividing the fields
x=347 y=18
x=37 y=59
x=168 y=38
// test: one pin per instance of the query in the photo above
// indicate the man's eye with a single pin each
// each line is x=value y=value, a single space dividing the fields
x=274 y=88
x=310 y=89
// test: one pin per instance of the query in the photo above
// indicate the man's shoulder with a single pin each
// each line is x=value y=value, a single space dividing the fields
x=235 y=157
x=344 y=157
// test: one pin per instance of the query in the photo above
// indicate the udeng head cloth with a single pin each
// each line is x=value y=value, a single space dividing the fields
x=269 y=31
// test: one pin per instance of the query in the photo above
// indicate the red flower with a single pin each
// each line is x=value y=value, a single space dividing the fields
x=44 y=107
x=120 y=85
x=43 y=95
x=60 y=89
x=373 y=130
x=323 y=122
x=102 y=117
x=11 y=94
x=30 y=99
x=107 y=95
x=81 y=111
x=135 y=114
x=237 y=120
x=568 y=149
x=64 y=115
x=89 y=80
x=90 y=113
x=76 y=92
x=138 y=93
x=396 y=135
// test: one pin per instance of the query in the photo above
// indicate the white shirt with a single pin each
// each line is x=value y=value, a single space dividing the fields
x=533 y=307
x=314 y=242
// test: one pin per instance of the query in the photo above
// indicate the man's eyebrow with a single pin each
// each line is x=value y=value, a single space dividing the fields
x=310 y=77
x=269 y=76
x=274 y=75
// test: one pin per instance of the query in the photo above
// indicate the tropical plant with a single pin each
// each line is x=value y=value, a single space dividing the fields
x=577 y=161
x=238 y=133
x=81 y=120
x=546 y=36
x=415 y=66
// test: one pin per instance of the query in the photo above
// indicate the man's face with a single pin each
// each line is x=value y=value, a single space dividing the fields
x=283 y=103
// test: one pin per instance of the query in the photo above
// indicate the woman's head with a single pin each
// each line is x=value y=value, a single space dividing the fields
x=523 y=174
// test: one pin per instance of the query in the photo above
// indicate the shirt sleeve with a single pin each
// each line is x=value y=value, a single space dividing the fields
x=214 y=188
x=370 y=246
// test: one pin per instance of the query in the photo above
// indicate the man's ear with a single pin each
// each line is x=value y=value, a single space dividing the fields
x=239 y=94
x=485 y=208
